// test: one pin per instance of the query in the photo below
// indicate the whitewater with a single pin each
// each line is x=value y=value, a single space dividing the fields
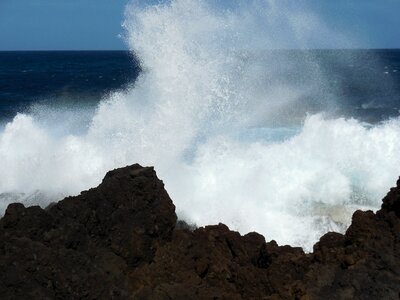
x=233 y=140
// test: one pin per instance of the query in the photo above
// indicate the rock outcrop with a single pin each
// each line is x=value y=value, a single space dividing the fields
x=122 y=240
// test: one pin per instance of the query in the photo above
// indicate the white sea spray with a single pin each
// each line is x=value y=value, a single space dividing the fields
x=230 y=137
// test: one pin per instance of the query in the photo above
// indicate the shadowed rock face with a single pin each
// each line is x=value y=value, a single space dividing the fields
x=121 y=240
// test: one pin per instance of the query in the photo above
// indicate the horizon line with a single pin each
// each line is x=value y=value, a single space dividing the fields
x=127 y=50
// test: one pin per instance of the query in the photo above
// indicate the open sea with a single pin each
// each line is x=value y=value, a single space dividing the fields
x=366 y=82
x=72 y=77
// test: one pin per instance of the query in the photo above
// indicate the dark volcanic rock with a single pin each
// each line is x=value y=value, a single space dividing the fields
x=86 y=246
x=122 y=240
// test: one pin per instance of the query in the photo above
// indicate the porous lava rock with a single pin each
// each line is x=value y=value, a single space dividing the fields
x=122 y=240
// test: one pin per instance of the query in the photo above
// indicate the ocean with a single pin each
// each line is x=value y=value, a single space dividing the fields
x=367 y=82
x=72 y=77
x=288 y=143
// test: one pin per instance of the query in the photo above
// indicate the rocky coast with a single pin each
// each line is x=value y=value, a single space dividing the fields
x=122 y=240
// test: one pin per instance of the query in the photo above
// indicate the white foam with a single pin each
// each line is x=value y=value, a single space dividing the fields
x=204 y=112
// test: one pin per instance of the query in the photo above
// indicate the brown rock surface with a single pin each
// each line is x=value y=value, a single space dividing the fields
x=121 y=240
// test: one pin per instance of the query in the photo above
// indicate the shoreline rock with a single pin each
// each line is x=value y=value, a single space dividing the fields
x=122 y=240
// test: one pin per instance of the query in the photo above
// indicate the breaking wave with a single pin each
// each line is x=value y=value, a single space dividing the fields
x=234 y=138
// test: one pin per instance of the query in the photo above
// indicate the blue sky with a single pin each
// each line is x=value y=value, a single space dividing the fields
x=96 y=24
x=61 y=24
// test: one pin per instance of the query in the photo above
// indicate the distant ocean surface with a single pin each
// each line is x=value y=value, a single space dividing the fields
x=368 y=91
x=69 y=77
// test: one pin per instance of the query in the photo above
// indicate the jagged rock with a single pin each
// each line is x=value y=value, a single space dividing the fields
x=122 y=240
x=85 y=246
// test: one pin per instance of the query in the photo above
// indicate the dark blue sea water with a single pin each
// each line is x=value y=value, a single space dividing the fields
x=364 y=83
x=48 y=77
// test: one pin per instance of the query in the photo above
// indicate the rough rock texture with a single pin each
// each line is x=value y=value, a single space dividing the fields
x=86 y=246
x=121 y=240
